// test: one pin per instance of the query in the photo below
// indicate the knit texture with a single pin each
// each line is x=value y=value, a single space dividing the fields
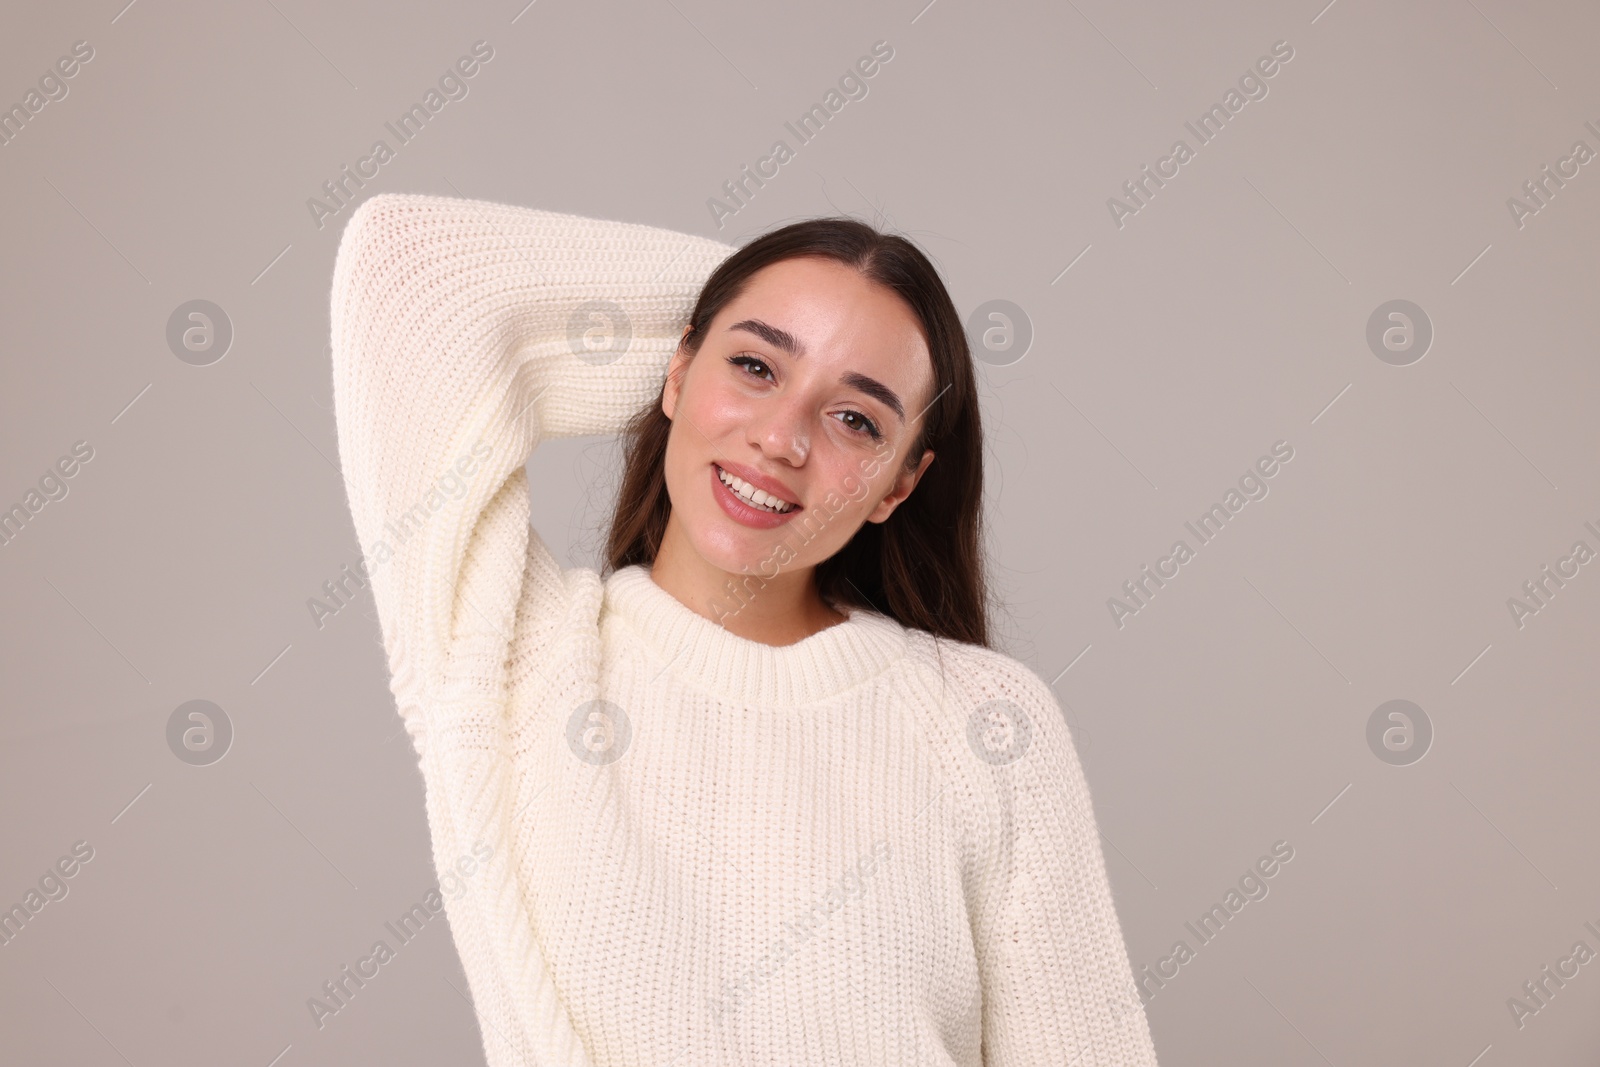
x=871 y=846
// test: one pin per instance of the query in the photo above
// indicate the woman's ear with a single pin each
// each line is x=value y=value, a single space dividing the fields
x=674 y=383
x=904 y=482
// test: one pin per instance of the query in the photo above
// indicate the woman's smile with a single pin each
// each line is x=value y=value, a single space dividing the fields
x=746 y=504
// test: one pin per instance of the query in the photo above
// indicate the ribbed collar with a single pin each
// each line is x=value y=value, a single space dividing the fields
x=701 y=652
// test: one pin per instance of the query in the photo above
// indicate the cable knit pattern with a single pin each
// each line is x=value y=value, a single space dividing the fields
x=867 y=847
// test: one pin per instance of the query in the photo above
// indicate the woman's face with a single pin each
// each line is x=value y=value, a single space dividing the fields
x=809 y=388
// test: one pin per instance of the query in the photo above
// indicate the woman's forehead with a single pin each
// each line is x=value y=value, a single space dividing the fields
x=812 y=305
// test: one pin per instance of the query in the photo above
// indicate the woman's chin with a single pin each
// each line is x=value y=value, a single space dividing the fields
x=749 y=561
x=743 y=551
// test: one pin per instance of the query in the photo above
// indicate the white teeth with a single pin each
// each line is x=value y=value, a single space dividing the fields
x=754 y=497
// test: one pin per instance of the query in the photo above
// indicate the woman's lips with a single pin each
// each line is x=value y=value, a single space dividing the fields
x=754 y=478
x=746 y=514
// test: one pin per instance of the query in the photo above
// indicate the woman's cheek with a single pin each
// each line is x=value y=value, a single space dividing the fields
x=723 y=407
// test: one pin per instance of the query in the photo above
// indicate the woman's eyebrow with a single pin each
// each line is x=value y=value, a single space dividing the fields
x=783 y=339
x=875 y=389
x=772 y=335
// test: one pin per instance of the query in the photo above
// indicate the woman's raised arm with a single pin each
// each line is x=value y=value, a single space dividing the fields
x=463 y=333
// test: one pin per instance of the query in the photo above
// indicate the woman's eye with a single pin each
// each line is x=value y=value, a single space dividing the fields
x=752 y=366
x=861 y=423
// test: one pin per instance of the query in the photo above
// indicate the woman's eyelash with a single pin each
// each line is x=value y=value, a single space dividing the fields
x=867 y=427
x=744 y=360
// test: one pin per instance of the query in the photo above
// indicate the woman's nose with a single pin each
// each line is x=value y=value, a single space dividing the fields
x=784 y=435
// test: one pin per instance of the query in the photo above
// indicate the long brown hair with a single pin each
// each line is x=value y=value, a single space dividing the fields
x=924 y=565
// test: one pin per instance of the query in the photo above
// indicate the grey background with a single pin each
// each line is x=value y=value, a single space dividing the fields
x=1226 y=315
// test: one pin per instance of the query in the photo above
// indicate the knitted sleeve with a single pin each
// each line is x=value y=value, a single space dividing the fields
x=1057 y=984
x=463 y=333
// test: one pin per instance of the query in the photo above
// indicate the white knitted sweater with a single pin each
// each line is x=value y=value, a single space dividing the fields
x=866 y=847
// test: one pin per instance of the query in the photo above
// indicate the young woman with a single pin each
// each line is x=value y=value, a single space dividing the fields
x=761 y=793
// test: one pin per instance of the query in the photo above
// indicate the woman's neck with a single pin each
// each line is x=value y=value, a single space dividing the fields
x=780 y=610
